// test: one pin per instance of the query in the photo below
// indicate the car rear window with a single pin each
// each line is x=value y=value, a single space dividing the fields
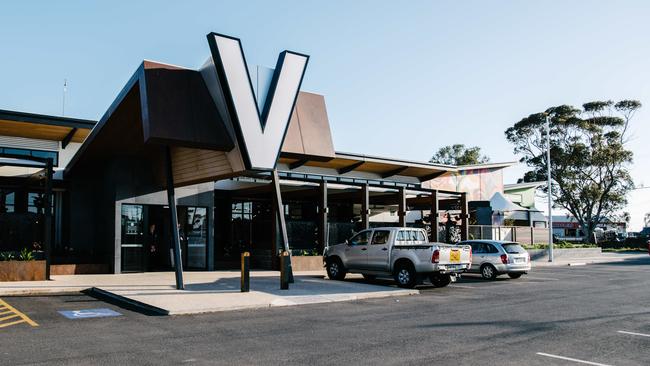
x=513 y=248
x=410 y=235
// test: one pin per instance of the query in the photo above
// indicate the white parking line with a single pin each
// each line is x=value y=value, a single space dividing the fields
x=541 y=278
x=572 y=359
x=632 y=333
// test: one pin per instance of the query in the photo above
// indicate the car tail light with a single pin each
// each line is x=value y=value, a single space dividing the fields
x=435 y=257
x=504 y=258
x=470 y=255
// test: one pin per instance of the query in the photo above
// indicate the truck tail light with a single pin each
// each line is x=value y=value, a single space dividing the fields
x=435 y=257
x=504 y=258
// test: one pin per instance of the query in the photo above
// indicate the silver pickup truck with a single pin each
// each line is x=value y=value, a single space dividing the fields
x=404 y=253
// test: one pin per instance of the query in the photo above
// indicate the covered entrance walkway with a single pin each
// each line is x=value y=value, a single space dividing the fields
x=321 y=210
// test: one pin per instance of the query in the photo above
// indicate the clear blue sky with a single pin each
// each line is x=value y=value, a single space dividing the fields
x=401 y=79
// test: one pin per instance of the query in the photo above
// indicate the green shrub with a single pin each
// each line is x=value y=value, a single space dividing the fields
x=305 y=252
x=26 y=255
x=560 y=245
x=7 y=256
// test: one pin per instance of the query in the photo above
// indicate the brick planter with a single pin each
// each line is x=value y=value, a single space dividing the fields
x=22 y=271
x=71 y=269
x=307 y=262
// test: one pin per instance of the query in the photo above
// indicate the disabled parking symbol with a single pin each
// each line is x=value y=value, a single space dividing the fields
x=89 y=313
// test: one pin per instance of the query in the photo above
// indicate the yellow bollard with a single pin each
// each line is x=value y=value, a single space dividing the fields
x=245 y=272
x=284 y=270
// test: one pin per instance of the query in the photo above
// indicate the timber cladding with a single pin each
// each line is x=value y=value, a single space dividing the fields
x=198 y=165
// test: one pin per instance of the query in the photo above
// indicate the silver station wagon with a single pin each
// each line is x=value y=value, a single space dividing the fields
x=492 y=258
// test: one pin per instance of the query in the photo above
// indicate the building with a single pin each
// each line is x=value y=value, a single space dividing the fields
x=196 y=166
x=27 y=143
x=567 y=228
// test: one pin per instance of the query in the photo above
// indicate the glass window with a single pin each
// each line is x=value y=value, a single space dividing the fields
x=380 y=237
x=17 y=152
x=197 y=236
x=132 y=224
x=513 y=248
x=363 y=238
x=489 y=248
x=33 y=153
x=419 y=236
x=402 y=235
x=7 y=201
x=132 y=237
x=47 y=154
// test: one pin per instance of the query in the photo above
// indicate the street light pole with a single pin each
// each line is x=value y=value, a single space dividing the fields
x=550 y=196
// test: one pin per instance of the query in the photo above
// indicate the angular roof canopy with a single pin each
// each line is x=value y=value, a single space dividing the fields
x=38 y=126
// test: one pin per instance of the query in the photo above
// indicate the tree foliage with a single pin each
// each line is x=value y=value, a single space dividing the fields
x=459 y=154
x=589 y=159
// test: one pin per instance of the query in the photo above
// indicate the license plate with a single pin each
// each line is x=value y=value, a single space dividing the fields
x=519 y=260
x=454 y=256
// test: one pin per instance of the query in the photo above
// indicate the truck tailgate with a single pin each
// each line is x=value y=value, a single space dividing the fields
x=455 y=254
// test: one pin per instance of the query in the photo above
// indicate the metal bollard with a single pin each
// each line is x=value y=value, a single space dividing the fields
x=284 y=270
x=245 y=272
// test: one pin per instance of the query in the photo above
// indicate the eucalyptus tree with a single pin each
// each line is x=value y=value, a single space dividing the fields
x=589 y=157
x=459 y=154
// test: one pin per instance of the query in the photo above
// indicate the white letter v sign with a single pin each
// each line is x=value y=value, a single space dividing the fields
x=260 y=135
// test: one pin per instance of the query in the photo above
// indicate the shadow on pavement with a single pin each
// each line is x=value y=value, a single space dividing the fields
x=637 y=261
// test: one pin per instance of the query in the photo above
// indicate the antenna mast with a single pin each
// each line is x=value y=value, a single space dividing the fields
x=65 y=90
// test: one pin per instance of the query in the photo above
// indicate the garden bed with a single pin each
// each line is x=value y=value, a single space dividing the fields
x=22 y=271
x=307 y=262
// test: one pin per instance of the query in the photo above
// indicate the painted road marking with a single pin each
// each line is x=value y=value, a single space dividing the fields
x=572 y=359
x=541 y=278
x=8 y=315
x=89 y=313
x=632 y=333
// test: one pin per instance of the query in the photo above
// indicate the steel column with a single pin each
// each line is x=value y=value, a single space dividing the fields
x=171 y=201
x=464 y=213
x=401 y=210
x=277 y=197
x=322 y=216
x=434 y=217
x=365 y=207
x=47 y=222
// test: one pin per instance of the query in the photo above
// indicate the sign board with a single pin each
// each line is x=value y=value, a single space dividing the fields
x=89 y=313
x=260 y=132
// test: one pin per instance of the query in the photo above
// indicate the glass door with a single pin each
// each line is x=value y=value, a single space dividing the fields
x=197 y=237
x=132 y=238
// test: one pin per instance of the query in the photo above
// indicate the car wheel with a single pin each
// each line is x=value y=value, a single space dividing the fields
x=488 y=272
x=440 y=280
x=514 y=275
x=405 y=276
x=335 y=270
x=370 y=278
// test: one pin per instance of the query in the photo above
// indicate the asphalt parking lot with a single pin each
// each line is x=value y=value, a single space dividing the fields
x=596 y=314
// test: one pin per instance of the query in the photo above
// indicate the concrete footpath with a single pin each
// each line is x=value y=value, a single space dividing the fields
x=605 y=257
x=207 y=291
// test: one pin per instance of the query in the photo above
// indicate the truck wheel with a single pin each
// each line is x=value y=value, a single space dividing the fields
x=488 y=272
x=440 y=280
x=405 y=276
x=335 y=270
x=514 y=275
